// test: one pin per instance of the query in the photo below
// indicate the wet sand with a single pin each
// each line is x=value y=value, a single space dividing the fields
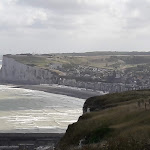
x=63 y=90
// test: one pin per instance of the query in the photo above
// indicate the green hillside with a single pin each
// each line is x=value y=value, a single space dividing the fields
x=117 y=122
x=107 y=60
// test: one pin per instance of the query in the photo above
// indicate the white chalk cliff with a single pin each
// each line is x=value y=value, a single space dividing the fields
x=14 y=71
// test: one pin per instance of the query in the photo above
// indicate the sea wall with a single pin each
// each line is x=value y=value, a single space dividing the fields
x=29 y=141
x=102 y=86
x=13 y=71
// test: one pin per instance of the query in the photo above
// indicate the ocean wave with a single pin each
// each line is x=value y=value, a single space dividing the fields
x=36 y=110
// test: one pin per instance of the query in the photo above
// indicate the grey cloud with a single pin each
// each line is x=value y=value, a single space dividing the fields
x=62 y=15
x=65 y=6
x=74 y=25
x=62 y=6
x=38 y=25
x=58 y=23
x=143 y=18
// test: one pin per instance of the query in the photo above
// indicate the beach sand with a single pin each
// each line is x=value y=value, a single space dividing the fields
x=63 y=90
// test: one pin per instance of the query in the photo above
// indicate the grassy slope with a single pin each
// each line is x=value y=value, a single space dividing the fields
x=38 y=61
x=120 y=123
x=100 y=61
x=35 y=60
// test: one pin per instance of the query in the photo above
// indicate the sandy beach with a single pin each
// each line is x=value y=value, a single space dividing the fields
x=63 y=90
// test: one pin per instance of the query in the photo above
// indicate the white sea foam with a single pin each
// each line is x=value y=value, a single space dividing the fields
x=22 y=110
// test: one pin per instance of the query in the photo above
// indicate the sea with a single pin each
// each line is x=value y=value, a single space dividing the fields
x=31 y=111
x=0 y=62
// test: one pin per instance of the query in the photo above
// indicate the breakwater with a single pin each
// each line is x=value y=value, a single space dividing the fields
x=29 y=141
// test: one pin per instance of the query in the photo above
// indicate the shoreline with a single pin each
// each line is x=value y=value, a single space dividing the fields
x=62 y=90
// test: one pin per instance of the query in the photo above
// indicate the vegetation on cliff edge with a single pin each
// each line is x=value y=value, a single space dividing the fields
x=118 y=121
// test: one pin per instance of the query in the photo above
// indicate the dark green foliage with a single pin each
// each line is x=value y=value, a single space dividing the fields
x=113 y=100
x=98 y=134
x=69 y=66
x=130 y=59
x=127 y=143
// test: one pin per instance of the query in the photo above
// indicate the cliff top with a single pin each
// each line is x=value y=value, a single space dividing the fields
x=108 y=60
x=29 y=59
x=129 y=69
x=118 y=120
x=41 y=61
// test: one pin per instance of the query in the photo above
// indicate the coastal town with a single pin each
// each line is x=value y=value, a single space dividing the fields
x=104 y=79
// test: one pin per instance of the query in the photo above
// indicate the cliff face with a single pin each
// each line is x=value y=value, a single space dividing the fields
x=15 y=72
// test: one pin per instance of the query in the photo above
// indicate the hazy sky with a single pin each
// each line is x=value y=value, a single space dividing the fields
x=44 y=26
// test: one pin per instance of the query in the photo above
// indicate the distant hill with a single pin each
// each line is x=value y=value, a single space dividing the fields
x=130 y=70
x=97 y=53
x=116 y=121
x=108 y=60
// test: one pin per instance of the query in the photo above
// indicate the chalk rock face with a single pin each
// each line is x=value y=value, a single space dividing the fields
x=14 y=71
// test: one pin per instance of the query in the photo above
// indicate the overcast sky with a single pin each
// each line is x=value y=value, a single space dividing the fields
x=45 y=26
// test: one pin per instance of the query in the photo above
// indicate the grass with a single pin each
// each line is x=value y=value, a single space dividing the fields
x=98 y=61
x=121 y=126
x=112 y=100
x=34 y=60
